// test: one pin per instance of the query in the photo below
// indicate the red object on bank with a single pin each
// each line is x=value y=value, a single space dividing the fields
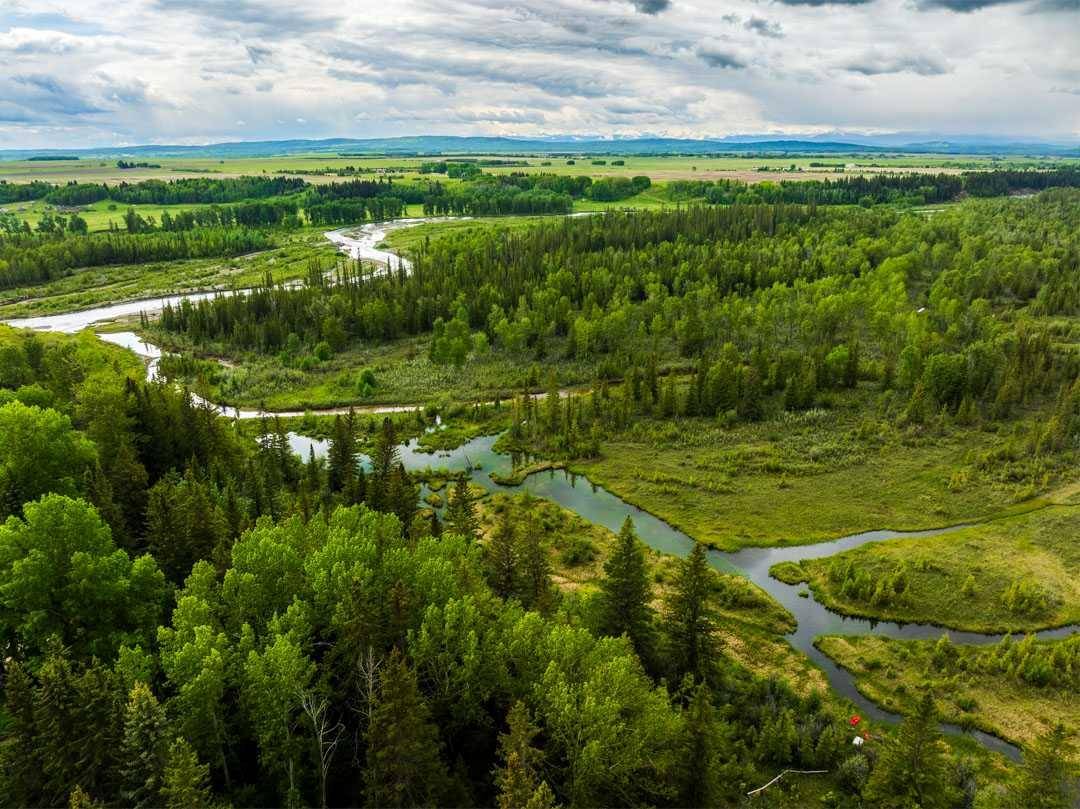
x=856 y=719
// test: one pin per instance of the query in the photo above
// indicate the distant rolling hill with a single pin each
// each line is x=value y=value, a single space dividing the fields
x=448 y=145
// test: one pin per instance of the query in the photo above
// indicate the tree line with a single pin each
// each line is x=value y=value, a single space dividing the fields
x=184 y=191
x=909 y=188
x=35 y=258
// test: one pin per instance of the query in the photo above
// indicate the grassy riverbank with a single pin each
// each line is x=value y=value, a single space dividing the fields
x=100 y=286
x=400 y=373
x=1019 y=573
x=814 y=476
x=975 y=686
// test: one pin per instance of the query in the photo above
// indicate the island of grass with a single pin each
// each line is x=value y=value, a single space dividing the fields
x=1015 y=689
x=1015 y=574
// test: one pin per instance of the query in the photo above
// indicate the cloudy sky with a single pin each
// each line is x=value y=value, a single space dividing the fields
x=94 y=73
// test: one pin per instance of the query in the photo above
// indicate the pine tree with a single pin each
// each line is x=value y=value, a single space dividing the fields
x=403 y=763
x=501 y=555
x=143 y=751
x=384 y=459
x=461 y=512
x=535 y=583
x=690 y=620
x=20 y=767
x=699 y=781
x=911 y=769
x=518 y=779
x=187 y=782
x=78 y=799
x=625 y=594
x=401 y=496
x=1048 y=776
x=341 y=455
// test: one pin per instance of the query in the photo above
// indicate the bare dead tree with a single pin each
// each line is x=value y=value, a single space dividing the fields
x=327 y=734
x=367 y=694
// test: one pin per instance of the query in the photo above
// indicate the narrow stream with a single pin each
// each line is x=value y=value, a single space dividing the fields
x=593 y=503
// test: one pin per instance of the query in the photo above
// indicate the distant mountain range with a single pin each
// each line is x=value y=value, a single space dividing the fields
x=448 y=145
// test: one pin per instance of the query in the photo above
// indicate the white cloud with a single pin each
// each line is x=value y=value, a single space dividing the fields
x=199 y=70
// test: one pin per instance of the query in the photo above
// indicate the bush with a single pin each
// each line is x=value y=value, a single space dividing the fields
x=580 y=551
x=851 y=775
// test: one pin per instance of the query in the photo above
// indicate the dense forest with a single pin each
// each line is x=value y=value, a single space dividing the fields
x=175 y=192
x=190 y=617
x=764 y=302
x=33 y=258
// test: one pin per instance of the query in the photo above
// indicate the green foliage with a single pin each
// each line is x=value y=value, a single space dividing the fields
x=186 y=783
x=404 y=768
x=144 y=749
x=690 y=619
x=61 y=576
x=518 y=780
x=461 y=510
x=1049 y=777
x=626 y=594
x=39 y=453
x=911 y=766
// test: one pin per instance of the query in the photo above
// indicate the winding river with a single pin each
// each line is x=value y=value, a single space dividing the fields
x=575 y=493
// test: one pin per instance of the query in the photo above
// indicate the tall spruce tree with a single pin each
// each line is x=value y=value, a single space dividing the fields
x=187 y=782
x=461 y=511
x=501 y=556
x=20 y=763
x=1048 y=776
x=384 y=459
x=699 y=772
x=144 y=749
x=535 y=587
x=911 y=769
x=403 y=763
x=341 y=457
x=518 y=779
x=625 y=595
x=690 y=619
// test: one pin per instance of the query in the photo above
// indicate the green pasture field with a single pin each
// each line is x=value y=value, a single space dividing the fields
x=659 y=167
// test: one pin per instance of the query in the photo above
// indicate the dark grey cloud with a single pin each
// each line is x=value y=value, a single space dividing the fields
x=872 y=64
x=41 y=94
x=258 y=54
x=766 y=28
x=715 y=57
x=651 y=6
x=258 y=15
